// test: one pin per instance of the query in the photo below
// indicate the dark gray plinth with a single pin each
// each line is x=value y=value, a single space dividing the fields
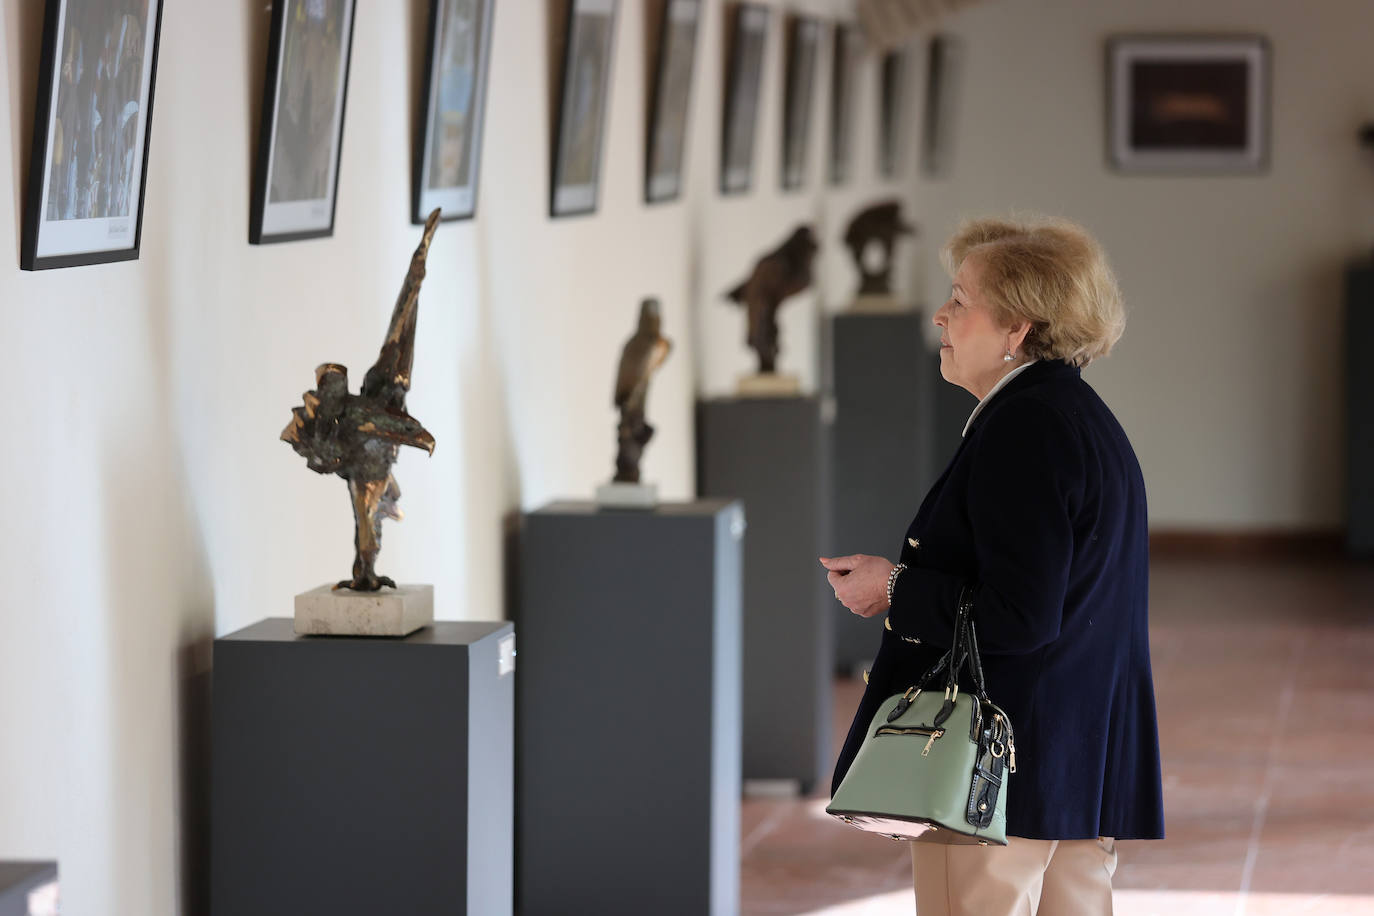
x=628 y=710
x=773 y=453
x=18 y=880
x=884 y=378
x=362 y=775
x=1359 y=409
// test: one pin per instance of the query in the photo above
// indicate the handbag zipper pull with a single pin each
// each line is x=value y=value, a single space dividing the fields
x=933 y=735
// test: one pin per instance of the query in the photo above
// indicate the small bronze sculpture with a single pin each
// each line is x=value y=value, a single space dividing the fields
x=641 y=357
x=776 y=276
x=358 y=436
x=881 y=223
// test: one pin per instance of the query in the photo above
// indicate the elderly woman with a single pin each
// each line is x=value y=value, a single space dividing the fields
x=1042 y=511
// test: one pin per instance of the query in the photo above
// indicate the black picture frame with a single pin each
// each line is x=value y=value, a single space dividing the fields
x=670 y=100
x=448 y=143
x=804 y=35
x=68 y=222
x=892 y=114
x=292 y=199
x=583 y=99
x=743 y=86
x=844 y=68
x=944 y=78
x=1190 y=104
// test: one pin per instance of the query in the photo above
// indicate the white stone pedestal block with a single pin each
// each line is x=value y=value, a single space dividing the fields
x=627 y=495
x=769 y=385
x=326 y=611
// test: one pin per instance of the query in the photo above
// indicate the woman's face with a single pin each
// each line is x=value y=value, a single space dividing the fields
x=972 y=345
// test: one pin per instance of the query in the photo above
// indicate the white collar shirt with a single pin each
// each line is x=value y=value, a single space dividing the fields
x=1001 y=383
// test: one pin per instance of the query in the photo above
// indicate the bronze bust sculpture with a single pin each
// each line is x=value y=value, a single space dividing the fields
x=357 y=436
x=881 y=223
x=776 y=276
x=642 y=355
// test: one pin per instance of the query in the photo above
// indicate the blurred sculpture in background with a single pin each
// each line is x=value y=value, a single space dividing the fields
x=877 y=226
x=643 y=354
x=776 y=276
x=357 y=436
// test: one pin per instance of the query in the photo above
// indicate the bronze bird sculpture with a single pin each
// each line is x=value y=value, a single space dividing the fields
x=642 y=355
x=881 y=223
x=357 y=436
x=777 y=275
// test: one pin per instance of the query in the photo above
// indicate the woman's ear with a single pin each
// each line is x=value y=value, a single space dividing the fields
x=1017 y=335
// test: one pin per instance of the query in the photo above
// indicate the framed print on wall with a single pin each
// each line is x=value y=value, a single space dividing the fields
x=589 y=40
x=748 y=35
x=92 y=122
x=944 y=74
x=296 y=183
x=449 y=146
x=677 y=43
x=803 y=50
x=843 y=72
x=892 y=115
x=1188 y=103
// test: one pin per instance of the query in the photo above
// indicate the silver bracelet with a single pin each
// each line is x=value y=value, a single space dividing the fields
x=892 y=580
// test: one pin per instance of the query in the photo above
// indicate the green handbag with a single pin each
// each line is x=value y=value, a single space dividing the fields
x=935 y=768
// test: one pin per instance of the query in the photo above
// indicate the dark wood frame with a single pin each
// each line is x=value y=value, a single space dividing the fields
x=656 y=101
x=29 y=258
x=843 y=70
x=258 y=204
x=792 y=85
x=424 y=120
x=733 y=90
x=1253 y=160
x=557 y=165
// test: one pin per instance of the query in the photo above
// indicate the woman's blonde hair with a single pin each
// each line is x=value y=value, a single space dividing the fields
x=1047 y=272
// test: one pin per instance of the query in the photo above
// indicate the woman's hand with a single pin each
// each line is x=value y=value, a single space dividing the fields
x=859 y=581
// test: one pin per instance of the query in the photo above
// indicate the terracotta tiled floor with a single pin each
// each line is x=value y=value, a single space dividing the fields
x=1264 y=677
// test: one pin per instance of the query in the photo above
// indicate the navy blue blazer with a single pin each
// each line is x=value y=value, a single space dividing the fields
x=1042 y=510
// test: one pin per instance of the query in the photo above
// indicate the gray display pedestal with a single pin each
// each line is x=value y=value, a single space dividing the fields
x=884 y=377
x=363 y=775
x=773 y=453
x=1359 y=409
x=628 y=710
x=20 y=879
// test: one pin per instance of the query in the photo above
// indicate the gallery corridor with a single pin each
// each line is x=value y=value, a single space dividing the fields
x=1264 y=676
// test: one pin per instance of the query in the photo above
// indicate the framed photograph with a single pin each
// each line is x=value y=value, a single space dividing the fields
x=448 y=149
x=748 y=36
x=589 y=41
x=296 y=183
x=91 y=128
x=892 y=113
x=944 y=74
x=843 y=78
x=803 y=50
x=677 y=46
x=1188 y=104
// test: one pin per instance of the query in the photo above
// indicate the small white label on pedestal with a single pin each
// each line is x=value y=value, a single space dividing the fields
x=505 y=663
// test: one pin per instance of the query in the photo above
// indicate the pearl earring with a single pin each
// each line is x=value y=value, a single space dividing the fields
x=1008 y=358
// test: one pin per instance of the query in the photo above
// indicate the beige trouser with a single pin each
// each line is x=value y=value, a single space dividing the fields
x=1023 y=878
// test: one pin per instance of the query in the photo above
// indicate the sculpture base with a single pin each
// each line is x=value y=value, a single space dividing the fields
x=326 y=611
x=616 y=495
x=877 y=303
x=769 y=385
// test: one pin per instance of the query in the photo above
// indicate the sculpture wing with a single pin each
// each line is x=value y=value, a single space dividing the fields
x=635 y=365
x=390 y=375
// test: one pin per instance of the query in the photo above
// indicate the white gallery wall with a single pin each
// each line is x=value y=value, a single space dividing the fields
x=152 y=507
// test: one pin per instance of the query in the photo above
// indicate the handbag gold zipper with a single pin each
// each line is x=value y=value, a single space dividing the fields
x=914 y=730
